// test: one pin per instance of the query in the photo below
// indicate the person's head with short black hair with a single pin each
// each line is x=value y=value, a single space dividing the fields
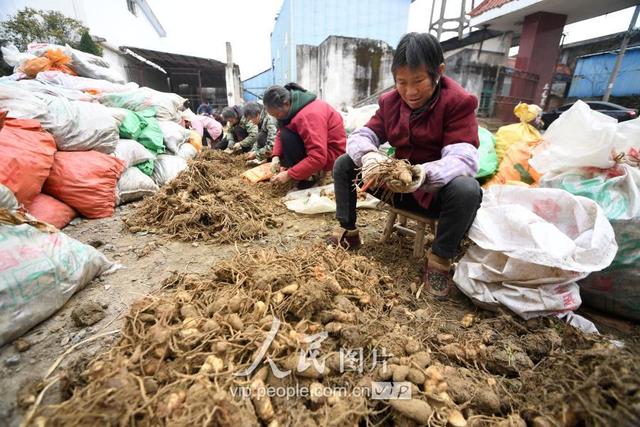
x=277 y=101
x=417 y=67
x=217 y=116
x=232 y=114
x=253 y=112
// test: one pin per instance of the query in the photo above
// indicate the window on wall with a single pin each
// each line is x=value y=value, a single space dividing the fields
x=131 y=5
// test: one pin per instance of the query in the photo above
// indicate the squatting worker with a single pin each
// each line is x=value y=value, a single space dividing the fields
x=267 y=130
x=207 y=127
x=240 y=134
x=430 y=120
x=310 y=137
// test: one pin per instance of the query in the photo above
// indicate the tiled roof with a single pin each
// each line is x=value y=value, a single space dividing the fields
x=487 y=5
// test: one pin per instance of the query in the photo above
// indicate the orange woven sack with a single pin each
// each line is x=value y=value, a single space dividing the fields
x=259 y=173
x=196 y=140
x=26 y=157
x=50 y=210
x=86 y=181
x=515 y=168
x=31 y=67
x=54 y=59
x=60 y=61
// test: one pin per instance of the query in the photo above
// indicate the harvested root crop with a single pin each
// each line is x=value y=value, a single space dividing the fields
x=396 y=171
x=180 y=350
x=207 y=201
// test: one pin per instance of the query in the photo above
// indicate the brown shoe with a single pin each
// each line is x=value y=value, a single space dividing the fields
x=347 y=239
x=437 y=276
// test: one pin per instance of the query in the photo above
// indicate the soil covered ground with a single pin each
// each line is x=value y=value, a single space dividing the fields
x=225 y=296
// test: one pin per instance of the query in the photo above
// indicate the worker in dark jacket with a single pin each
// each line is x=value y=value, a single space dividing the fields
x=430 y=120
x=311 y=135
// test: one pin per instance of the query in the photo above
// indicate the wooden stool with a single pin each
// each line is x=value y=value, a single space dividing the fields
x=401 y=227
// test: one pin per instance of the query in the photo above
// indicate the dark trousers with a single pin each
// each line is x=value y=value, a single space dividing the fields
x=222 y=144
x=293 y=150
x=238 y=134
x=454 y=205
x=261 y=141
x=206 y=138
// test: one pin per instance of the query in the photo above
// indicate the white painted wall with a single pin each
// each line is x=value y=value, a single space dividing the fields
x=109 y=19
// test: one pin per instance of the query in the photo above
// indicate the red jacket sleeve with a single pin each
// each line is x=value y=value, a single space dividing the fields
x=376 y=123
x=314 y=134
x=277 y=146
x=461 y=124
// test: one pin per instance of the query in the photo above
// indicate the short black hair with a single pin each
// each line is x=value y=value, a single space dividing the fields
x=418 y=49
x=252 y=109
x=276 y=97
x=231 y=112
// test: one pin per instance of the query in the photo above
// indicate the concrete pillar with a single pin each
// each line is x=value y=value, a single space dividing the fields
x=233 y=97
x=539 y=41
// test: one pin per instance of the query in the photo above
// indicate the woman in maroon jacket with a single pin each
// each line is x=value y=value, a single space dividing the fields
x=310 y=138
x=430 y=120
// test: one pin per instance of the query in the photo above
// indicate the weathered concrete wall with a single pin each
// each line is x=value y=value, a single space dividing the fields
x=307 y=67
x=472 y=65
x=344 y=70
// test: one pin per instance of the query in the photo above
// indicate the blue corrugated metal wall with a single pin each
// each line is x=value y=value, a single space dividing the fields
x=592 y=75
x=256 y=85
x=312 y=21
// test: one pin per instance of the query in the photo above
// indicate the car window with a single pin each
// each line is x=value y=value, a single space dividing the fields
x=600 y=106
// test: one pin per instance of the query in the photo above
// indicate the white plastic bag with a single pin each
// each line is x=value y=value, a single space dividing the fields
x=119 y=114
x=616 y=190
x=531 y=246
x=81 y=126
x=355 y=118
x=58 y=78
x=36 y=87
x=174 y=135
x=87 y=65
x=321 y=200
x=20 y=103
x=75 y=125
x=7 y=199
x=167 y=105
x=132 y=152
x=187 y=151
x=580 y=137
x=134 y=185
x=39 y=272
x=492 y=279
x=13 y=57
x=546 y=227
x=167 y=167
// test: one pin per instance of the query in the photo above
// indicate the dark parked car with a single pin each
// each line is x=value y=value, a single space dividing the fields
x=614 y=110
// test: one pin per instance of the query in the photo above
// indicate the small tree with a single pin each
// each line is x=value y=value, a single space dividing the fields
x=31 y=25
x=88 y=45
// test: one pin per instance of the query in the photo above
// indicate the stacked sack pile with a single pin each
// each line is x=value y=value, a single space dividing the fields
x=591 y=155
x=77 y=140
x=558 y=226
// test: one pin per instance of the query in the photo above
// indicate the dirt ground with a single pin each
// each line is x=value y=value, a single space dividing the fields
x=516 y=359
x=147 y=260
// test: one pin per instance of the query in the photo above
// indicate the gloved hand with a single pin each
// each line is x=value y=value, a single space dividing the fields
x=275 y=164
x=418 y=176
x=236 y=147
x=370 y=164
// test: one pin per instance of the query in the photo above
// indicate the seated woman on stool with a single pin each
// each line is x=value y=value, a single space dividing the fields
x=311 y=135
x=430 y=120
